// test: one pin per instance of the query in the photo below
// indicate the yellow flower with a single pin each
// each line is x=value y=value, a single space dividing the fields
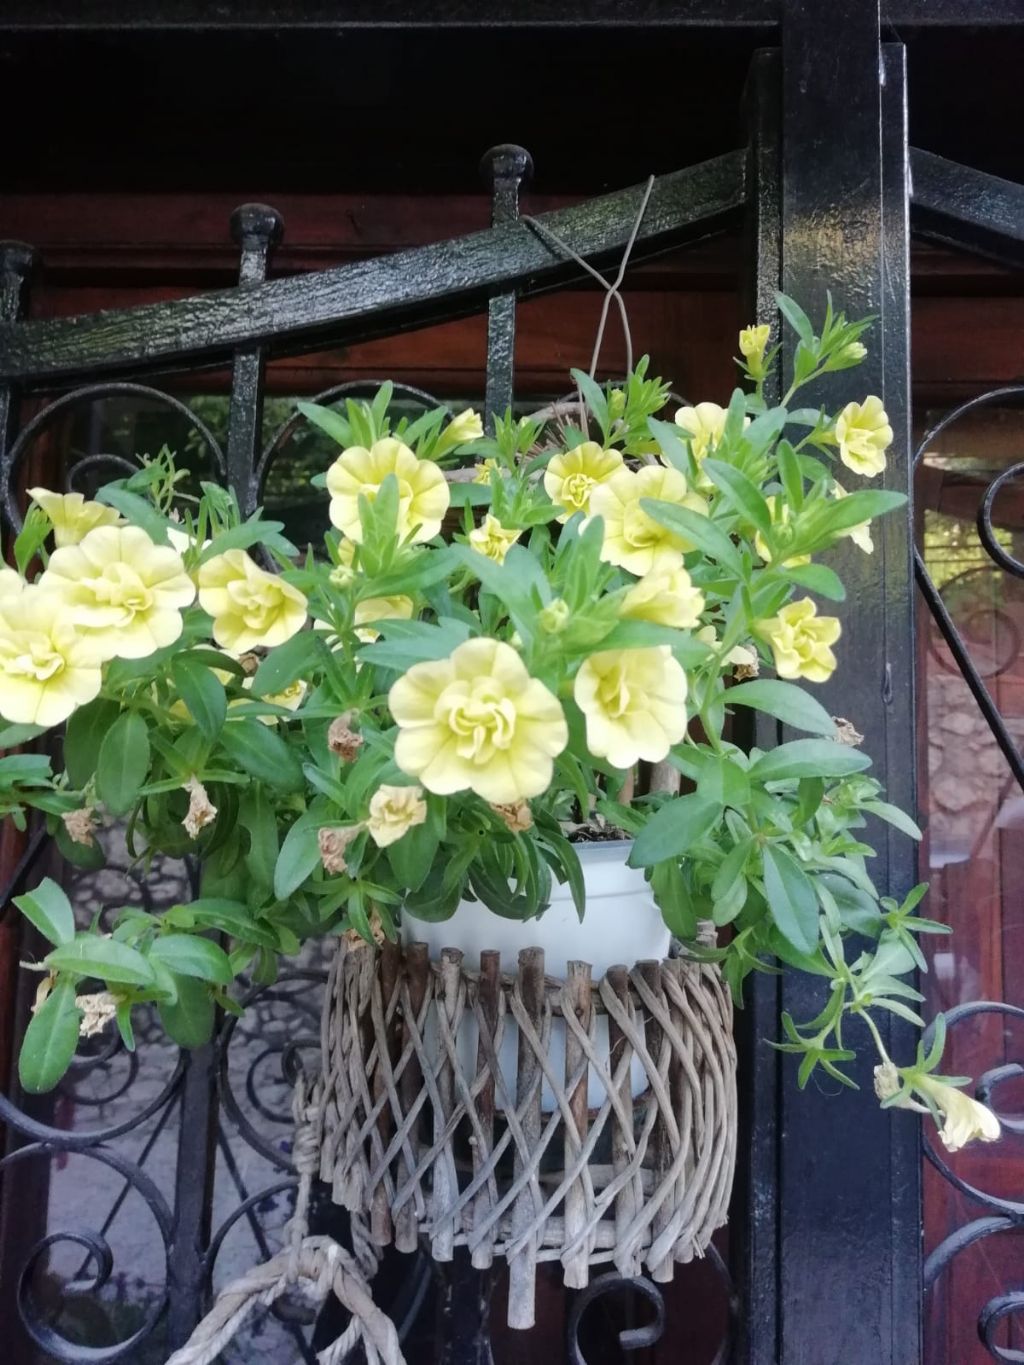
x=11 y=583
x=47 y=667
x=249 y=606
x=859 y=534
x=667 y=597
x=492 y=540
x=633 y=701
x=393 y=812
x=753 y=341
x=570 y=478
x=290 y=698
x=965 y=1120
x=864 y=435
x=632 y=539
x=781 y=513
x=465 y=426
x=71 y=516
x=126 y=592
x=478 y=721
x=483 y=470
x=423 y=495
x=378 y=609
x=800 y=641
x=704 y=425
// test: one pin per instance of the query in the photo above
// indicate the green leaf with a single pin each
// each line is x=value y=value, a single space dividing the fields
x=593 y=396
x=255 y=531
x=789 y=473
x=26 y=769
x=791 y=899
x=104 y=958
x=296 y=657
x=673 y=899
x=187 y=955
x=261 y=752
x=86 y=730
x=123 y=762
x=50 y=1040
x=406 y=643
x=412 y=856
x=329 y=421
x=202 y=693
x=189 y=1019
x=809 y=758
x=673 y=829
x=139 y=511
x=856 y=909
x=13 y=735
x=894 y=816
x=817 y=578
x=31 y=536
x=785 y=701
x=258 y=818
x=797 y=318
x=48 y=908
x=744 y=495
x=701 y=531
x=300 y=854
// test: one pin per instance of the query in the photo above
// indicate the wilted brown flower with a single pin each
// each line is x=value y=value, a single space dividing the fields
x=97 y=1011
x=846 y=733
x=79 y=825
x=201 y=810
x=333 y=843
x=343 y=740
x=517 y=815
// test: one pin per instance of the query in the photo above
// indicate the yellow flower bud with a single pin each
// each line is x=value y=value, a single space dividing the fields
x=781 y=514
x=571 y=477
x=864 y=435
x=423 y=495
x=71 y=516
x=464 y=427
x=753 y=341
x=393 y=812
x=492 y=540
x=477 y=721
x=633 y=701
x=554 y=617
x=800 y=641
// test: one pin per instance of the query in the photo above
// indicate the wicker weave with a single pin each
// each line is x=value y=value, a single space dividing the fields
x=423 y=1148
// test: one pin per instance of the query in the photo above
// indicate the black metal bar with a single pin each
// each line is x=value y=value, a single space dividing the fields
x=257 y=228
x=755 y=1203
x=966 y=208
x=849 y=1174
x=16 y=262
x=506 y=168
x=334 y=15
x=193 y=1196
x=374 y=297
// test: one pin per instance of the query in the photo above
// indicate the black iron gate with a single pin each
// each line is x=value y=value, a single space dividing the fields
x=825 y=1247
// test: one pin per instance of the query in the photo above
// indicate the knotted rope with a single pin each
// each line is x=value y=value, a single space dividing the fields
x=309 y=1267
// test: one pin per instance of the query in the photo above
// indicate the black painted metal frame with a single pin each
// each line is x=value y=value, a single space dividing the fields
x=827 y=1250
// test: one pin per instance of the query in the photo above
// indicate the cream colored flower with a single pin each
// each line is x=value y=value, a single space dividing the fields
x=398 y=608
x=781 y=515
x=705 y=425
x=632 y=539
x=48 y=668
x=201 y=810
x=667 y=597
x=478 y=721
x=125 y=592
x=291 y=698
x=11 y=583
x=492 y=540
x=483 y=470
x=964 y=1119
x=423 y=495
x=393 y=812
x=71 y=515
x=249 y=606
x=633 y=701
x=860 y=534
x=753 y=341
x=800 y=641
x=570 y=478
x=864 y=435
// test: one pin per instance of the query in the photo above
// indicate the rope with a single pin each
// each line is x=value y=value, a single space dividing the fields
x=320 y=1266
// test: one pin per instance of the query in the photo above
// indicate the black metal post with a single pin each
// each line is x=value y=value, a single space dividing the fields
x=848 y=1193
x=257 y=228
x=506 y=168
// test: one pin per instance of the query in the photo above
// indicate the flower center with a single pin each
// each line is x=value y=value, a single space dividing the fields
x=257 y=604
x=638 y=529
x=120 y=586
x=576 y=490
x=34 y=658
x=614 y=692
x=480 y=717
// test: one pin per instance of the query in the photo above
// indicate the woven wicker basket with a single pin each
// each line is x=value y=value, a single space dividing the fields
x=424 y=1147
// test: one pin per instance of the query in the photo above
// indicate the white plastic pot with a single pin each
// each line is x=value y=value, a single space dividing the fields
x=622 y=924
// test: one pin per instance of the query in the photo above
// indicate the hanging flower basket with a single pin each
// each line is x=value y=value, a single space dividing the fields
x=422 y=1145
